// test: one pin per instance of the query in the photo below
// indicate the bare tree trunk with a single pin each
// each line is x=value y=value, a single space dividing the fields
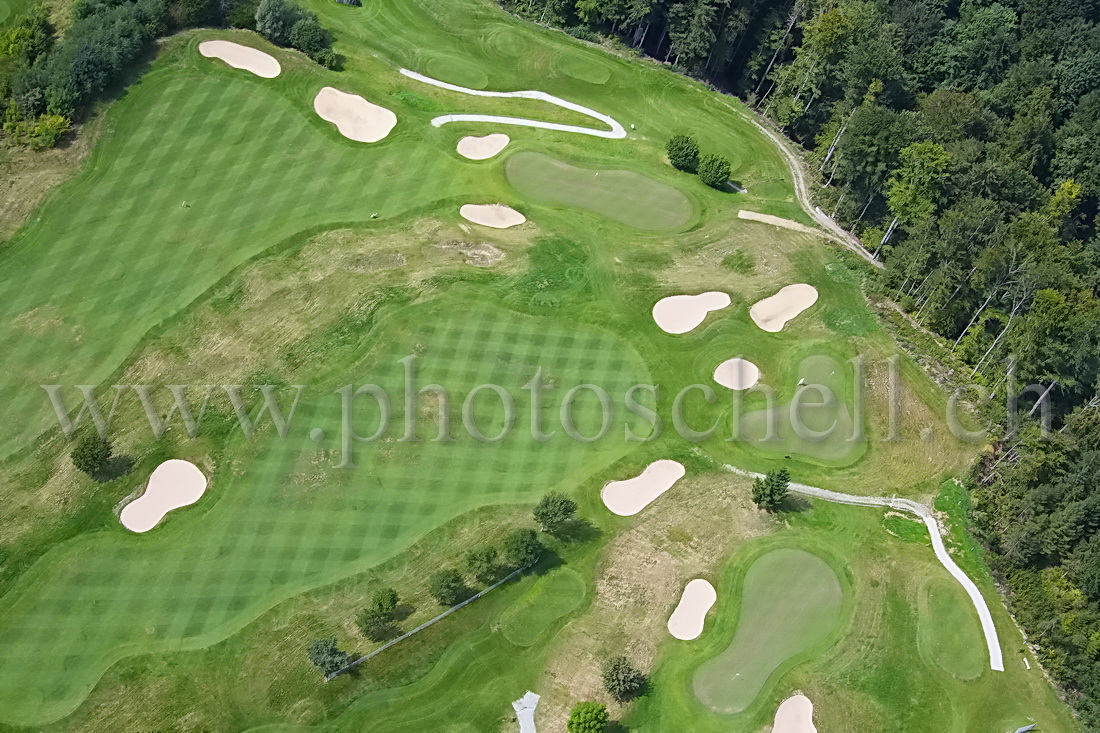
x=791 y=20
x=886 y=237
x=993 y=345
x=974 y=318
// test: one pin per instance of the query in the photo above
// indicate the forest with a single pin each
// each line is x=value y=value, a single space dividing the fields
x=959 y=141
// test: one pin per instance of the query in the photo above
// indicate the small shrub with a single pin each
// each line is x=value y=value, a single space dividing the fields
x=621 y=679
x=683 y=152
x=714 y=170
x=91 y=454
x=447 y=587
x=521 y=547
x=588 y=717
x=554 y=511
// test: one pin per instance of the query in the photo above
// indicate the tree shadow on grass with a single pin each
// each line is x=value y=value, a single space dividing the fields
x=578 y=531
x=794 y=503
x=616 y=726
x=402 y=612
x=116 y=467
x=548 y=560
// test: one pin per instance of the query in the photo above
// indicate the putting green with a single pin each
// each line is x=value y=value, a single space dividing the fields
x=552 y=597
x=825 y=430
x=625 y=196
x=948 y=632
x=791 y=601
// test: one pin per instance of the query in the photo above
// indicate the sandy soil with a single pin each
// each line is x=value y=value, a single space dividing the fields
x=772 y=313
x=355 y=117
x=682 y=313
x=497 y=216
x=737 y=373
x=777 y=221
x=686 y=622
x=242 y=57
x=482 y=148
x=630 y=496
x=173 y=484
x=795 y=715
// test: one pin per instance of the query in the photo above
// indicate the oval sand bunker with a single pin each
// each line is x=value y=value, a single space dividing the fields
x=497 y=216
x=682 y=313
x=242 y=57
x=772 y=313
x=355 y=118
x=173 y=484
x=630 y=496
x=482 y=148
x=737 y=373
x=686 y=622
x=795 y=715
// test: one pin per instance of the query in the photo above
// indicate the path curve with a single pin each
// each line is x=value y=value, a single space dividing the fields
x=617 y=132
x=833 y=230
x=989 y=629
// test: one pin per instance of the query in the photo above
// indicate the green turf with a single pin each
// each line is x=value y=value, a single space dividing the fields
x=949 y=634
x=625 y=196
x=553 y=596
x=790 y=602
x=115 y=266
x=276 y=525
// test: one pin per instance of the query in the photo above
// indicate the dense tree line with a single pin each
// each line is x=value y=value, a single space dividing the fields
x=1037 y=507
x=46 y=81
x=958 y=139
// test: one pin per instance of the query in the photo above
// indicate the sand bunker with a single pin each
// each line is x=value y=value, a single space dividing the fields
x=737 y=373
x=686 y=622
x=497 y=216
x=776 y=221
x=355 y=117
x=630 y=496
x=682 y=313
x=772 y=314
x=242 y=57
x=795 y=715
x=173 y=484
x=482 y=148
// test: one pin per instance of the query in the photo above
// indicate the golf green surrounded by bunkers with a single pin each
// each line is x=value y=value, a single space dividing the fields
x=791 y=601
x=221 y=232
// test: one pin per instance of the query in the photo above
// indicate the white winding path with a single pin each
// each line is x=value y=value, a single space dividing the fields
x=996 y=661
x=615 y=133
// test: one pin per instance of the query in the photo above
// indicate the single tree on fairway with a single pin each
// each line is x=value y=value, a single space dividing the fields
x=521 y=547
x=554 y=511
x=447 y=587
x=588 y=717
x=621 y=679
x=714 y=170
x=771 y=490
x=482 y=564
x=91 y=454
x=326 y=656
x=683 y=152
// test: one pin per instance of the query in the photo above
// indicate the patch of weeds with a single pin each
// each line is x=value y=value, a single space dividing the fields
x=418 y=102
x=739 y=261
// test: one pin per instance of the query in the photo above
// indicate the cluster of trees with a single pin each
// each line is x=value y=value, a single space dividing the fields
x=683 y=153
x=486 y=565
x=47 y=81
x=285 y=23
x=623 y=681
x=770 y=491
x=1037 y=509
